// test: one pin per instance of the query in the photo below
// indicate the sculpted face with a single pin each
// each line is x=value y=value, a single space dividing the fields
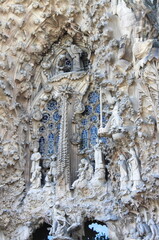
x=35 y=150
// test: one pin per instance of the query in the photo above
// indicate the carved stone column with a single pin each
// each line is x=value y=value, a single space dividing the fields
x=63 y=165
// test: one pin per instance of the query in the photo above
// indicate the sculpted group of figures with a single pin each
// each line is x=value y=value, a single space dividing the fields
x=85 y=172
x=130 y=176
x=146 y=231
x=63 y=223
x=36 y=171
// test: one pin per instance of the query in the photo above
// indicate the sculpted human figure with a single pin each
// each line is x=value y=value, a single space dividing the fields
x=154 y=229
x=48 y=180
x=36 y=178
x=52 y=171
x=122 y=47
x=35 y=158
x=75 y=53
x=85 y=173
x=61 y=64
x=142 y=229
x=85 y=170
x=23 y=232
x=123 y=172
x=114 y=122
x=146 y=17
x=99 y=165
x=74 y=220
x=135 y=176
x=59 y=226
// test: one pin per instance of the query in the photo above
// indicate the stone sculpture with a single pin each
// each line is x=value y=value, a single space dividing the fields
x=35 y=158
x=135 y=176
x=36 y=178
x=75 y=53
x=48 y=180
x=154 y=228
x=59 y=222
x=53 y=165
x=123 y=173
x=99 y=174
x=142 y=229
x=85 y=174
x=23 y=232
x=69 y=69
x=114 y=123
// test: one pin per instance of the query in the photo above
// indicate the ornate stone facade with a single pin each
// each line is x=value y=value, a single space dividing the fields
x=79 y=116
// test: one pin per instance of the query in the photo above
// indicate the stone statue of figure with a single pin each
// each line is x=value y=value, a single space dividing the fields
x=59 y=226
x=84 y=170
x=75 y=53
x=135 y=176
x=35 y=158
x=114 y=122
x=61 y=63
x=48 y=180
x=52 y=171
x=23 y=232
x=142 y=229
x=35 y=169
x=123 y=172
x=146 y=14
x=154 y=228
x=114 y=4
x=99 y=173
x=36 y=178
x=85 y=174
x=122 y=47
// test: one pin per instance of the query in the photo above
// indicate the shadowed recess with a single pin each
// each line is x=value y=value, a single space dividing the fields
x=42 y=232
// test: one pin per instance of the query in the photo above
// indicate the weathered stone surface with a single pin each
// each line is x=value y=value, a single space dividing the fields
x=79 y=118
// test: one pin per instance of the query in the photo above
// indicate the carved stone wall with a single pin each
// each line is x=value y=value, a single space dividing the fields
x=79 y=118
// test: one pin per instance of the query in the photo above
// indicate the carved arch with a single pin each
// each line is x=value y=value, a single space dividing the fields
x=54 y=88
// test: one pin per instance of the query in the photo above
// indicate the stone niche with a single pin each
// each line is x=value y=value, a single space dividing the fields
x=65 y=57
x=65 y=73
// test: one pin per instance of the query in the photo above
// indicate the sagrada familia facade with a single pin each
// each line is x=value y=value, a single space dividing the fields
x=79 y=119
